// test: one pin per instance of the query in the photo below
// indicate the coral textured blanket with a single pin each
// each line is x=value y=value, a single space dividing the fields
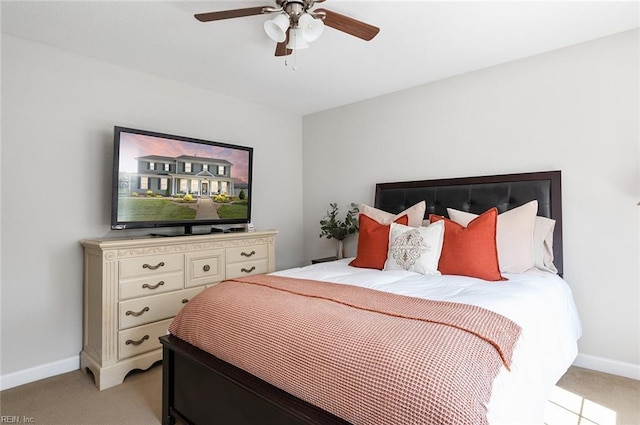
x=367 y=356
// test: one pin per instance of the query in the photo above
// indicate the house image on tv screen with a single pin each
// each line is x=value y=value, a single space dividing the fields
x=169 y=176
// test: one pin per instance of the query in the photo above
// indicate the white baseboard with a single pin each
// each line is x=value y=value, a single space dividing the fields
x=614 y=367
x=22 y=377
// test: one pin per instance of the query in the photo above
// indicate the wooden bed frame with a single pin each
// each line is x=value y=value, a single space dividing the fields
x=199 y=389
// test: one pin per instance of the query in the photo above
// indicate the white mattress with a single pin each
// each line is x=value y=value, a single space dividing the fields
x=540 y=302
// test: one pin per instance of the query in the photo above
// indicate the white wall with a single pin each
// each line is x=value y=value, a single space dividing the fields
x=574 y=109
x=58 y=113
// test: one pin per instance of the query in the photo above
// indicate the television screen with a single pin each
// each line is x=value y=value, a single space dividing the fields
x=162 y=180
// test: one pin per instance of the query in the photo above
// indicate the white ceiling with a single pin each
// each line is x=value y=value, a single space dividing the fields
x=419 y=42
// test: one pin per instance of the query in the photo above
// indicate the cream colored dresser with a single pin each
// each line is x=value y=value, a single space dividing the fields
x=134 y=287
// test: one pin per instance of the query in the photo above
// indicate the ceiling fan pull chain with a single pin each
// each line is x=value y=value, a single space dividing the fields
x=294 y=54
x=295 y=57
x=294 y=66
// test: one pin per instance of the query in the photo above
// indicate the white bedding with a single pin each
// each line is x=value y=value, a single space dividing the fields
x=540 y=302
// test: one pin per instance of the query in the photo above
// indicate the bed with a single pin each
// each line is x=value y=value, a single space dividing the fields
x=540 y=323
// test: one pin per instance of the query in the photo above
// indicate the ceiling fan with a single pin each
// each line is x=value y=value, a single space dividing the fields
x=295 y=24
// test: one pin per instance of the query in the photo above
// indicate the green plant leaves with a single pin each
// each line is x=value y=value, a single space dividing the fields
x=331 y=226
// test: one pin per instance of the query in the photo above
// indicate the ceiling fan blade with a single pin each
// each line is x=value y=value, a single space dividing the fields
x=349 y=25
x=281 y=48
x=227 y=14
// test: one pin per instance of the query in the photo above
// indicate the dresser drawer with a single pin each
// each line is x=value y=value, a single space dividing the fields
x=146 y=266
x=141 y=339
x=141 y=311
x=151 y=285
x=248 y=253
x=246 y=268
x=205 y=267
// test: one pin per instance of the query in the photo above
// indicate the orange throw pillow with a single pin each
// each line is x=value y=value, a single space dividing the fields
x=373 y=242
x=472 y=250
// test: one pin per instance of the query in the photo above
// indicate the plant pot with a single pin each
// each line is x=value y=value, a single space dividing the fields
x=340 y=249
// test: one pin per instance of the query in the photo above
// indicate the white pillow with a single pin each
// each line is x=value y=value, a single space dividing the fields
x=415 y=249
x=414 y=213
x=543 y=244
x=514 y=236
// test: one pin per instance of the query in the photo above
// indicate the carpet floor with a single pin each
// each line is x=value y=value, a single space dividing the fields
x=581 y=397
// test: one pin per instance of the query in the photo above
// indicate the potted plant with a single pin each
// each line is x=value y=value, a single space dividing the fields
x=332 y=227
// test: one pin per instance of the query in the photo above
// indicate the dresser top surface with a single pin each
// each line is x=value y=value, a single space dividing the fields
x=127 y=242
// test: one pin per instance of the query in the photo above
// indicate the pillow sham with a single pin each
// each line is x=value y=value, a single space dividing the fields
x=514 y=236
x=415 y=214
x=415 y=249
x=373 y=242
x=470 y=251
x=543 y=244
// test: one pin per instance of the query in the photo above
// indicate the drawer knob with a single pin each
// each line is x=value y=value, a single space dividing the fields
x=138 y=342
x=244 y=254
x=137 y=313
x=156 y=286
x=150 y=267
x=248 y=270
x=185 y=300
x=206 y=268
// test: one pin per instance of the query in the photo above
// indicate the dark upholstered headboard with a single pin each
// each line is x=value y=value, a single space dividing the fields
x=477 y=194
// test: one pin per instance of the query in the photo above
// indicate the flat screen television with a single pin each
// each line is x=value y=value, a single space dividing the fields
x=163 y=180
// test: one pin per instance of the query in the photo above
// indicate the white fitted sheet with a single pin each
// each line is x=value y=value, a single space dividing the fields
x=540 y=302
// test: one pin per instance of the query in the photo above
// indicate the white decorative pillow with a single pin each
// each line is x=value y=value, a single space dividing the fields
x=415 y=214
x=514 y=236
x=415 y=248
x=543 y=244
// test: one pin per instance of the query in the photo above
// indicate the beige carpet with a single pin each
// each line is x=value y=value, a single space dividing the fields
x=73 y=399
x=586 y=397
x=583 y=397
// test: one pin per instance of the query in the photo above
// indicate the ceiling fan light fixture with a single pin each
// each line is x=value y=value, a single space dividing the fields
x=296 y=23
x=296 y=40
x=311 y=28
x=276 y=28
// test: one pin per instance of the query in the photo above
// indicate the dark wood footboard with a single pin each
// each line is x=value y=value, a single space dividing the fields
x=200 y=389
